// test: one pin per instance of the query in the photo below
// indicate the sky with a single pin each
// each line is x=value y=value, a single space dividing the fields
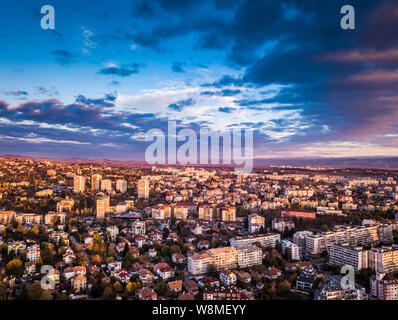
x=112 y=70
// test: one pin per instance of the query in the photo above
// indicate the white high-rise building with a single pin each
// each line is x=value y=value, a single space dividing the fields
x=143 y=188
x=102 y=207
x=106 y=185
x=121 y=186
x=294 y=249
x=268 y=240
x=384 y=260
x=79 y=184
x=341 y=255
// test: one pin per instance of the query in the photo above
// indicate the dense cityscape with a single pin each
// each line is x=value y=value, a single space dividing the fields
x=72 y=231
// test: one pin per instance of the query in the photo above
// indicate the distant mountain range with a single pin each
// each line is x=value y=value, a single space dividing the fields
x=347 y=162
x=357 y=162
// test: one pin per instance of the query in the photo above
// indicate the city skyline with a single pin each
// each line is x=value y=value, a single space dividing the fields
x=109 y=72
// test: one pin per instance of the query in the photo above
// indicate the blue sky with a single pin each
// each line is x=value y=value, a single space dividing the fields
x=112 y=70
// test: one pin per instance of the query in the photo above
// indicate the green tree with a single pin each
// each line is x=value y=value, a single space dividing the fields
x=161 y=288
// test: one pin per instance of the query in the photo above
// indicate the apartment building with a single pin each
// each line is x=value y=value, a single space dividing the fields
x=199 y=263
x=106 y=185
x=298 y=214
x=96 y=181
x=206 y=212
x=33 y=252
x=351 y=235
x=281 y=224
x=266 y=240
x=51 y=217
x=250 y=256
x=143 y=188
x=6 y=216
x=255 y=223
x=102 y=207
x=333 y=290
x=138 y=228
x=28 y=218
x=226 y=257
x=121 y=186
x=340 y=255
x=299 y=239
x=293 y=249
x=228 y=214
x=180 y=211
x=161 y=212
x=384 y=286
x=65 y=205
x=79 y=184
x=384 y=260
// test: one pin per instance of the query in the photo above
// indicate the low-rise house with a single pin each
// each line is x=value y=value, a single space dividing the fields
x=30 y=267
x=175 y=286
x=122 y=275
x=230 y=293
x=146 y=294
x=244 y=277
x=208 y=282
x=69 y=258
x=146 y=277
x=33 y=253
x=74 y=271
x=152 y=253
x=178 y=258
x=114 y=266
x=164 y=271
x=227 y=277
x=140 y=241
x=272 y=273
x=186 y=296
x=79 y=283
x=191 y=286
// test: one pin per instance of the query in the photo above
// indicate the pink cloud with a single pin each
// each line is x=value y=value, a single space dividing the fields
x=358 y=56
x=377 y=77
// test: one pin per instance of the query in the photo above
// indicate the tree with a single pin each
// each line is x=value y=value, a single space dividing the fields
x=36 y=291
x=118 y=287
x=161 y=288
x=96 y=260
x=15 y=267
x=45 y=295
x=3 y=290
x=109 y=294
x=132 y=287
x=363 y=277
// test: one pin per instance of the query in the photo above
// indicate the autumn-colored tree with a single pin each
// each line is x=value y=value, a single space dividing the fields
x=118 y=287
x=96 y=259
x=15 y=267
x=45 y=295
x=109 y=294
